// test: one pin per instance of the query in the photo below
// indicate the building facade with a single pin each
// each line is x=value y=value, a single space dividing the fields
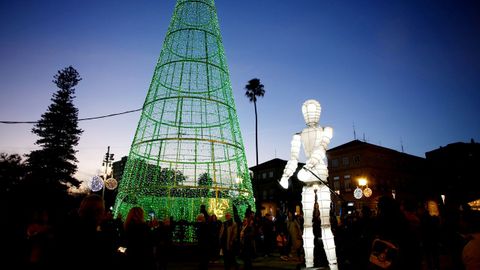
x=453 y=172
x=384 y=171
x=270 y=197
x=118 y=167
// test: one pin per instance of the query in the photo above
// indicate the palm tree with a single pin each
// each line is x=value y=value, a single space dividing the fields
x=255 y=89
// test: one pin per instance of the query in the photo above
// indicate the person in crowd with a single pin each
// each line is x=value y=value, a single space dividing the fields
x=470 y=230
x=412 y=252
x=390 y=232
x=39 y=235
x=228 y=241
x=82 y=241
x=295 y=236
x=202 y=241
x=163 y=243
x=281 y=240
x=138 y=237
x=430 y=226
x=247 y=240
x=268 y=234
x=214 y=226
x=112 y=229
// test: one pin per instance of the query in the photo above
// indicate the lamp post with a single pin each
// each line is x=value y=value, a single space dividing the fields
x=107 y=162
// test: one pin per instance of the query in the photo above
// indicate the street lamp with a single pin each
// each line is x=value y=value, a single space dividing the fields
x=107 y=162
x=362 y=182
x=362 y=189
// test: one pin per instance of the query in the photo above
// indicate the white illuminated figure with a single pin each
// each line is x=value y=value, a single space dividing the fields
x=315 y=140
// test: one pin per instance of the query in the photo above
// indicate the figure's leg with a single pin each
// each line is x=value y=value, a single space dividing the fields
x=324 y=201
x=308 y=200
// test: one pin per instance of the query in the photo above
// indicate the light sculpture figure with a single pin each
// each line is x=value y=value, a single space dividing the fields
x=188 y=149
x=315 y=140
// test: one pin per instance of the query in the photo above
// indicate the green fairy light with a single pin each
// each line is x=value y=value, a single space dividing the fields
x=188 y=149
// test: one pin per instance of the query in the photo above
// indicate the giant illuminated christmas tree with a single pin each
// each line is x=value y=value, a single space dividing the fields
x=188 y=150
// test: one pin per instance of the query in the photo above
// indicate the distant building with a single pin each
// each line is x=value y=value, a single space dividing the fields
x=386 y=171
x=118 y=167
x=453 y=171
x=268 y=193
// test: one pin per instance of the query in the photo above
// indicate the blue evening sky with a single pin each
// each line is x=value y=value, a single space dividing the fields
x=401 y=71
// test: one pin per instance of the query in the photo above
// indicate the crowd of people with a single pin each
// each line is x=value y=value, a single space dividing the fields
x=395 y=236
x=409 y=235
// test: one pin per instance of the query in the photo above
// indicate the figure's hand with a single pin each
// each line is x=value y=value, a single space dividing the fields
x=303 y=175
x=284 y=182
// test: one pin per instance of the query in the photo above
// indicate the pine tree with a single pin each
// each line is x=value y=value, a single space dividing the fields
x=52 y=166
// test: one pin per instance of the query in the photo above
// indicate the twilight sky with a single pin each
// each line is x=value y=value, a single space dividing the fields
x=400 y=71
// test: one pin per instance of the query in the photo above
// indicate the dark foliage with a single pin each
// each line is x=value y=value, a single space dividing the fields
x=51 y=168
x=12 y=172
x=254 y=89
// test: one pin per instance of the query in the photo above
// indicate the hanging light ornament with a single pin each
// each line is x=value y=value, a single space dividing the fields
x=358 y=193
x=96 y=184
x=111 y=183
x=367 y=192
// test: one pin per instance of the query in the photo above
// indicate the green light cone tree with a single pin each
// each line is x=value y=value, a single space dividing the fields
x=188 y=149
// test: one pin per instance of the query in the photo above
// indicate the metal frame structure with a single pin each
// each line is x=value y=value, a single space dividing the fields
x=188 y=149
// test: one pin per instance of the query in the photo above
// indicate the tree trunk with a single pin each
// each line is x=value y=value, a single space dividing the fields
x=256 y=130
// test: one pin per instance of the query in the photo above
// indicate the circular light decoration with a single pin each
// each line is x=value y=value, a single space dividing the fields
x=111 y=183
x=367 y=192
x=357 y=193
x=96 y=184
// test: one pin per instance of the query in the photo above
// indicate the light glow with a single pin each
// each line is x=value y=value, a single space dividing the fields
x=362 y=182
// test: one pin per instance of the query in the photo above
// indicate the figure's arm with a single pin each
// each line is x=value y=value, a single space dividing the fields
x=293 y=162
x=327 y=136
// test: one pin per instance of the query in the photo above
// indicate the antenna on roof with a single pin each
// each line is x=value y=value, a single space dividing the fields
x=354 y=132
x=401 y=144
x=364 y=140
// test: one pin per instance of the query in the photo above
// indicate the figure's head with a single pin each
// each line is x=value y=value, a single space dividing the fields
x=311 y=110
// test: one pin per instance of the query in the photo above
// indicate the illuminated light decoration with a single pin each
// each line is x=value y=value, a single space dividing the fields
x=443 y=198
x=218 y=207
x=475 y=205
x=311 y=110
x=358 y=193
x=432 y=208
x=188 y=149
x=111 y=183
x=96 y=184
x=367 y=192
x=315 y=140
x=362 y=182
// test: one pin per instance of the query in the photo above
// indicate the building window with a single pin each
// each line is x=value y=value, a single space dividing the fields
x=356 y=160
x=345 y=162
x=348 y=184
x=336 y=178
x=347 y=176
x=270 y=174
x=264 y=175
x=336 y=184
x=334 y=163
